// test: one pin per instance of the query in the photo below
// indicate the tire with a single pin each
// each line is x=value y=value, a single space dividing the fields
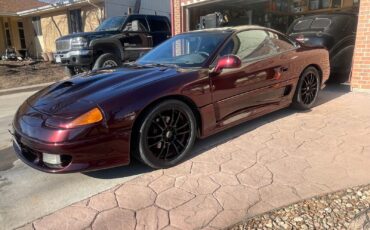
x=307 y=89
x=167 y=134
x=107 y=60
x=70 y=71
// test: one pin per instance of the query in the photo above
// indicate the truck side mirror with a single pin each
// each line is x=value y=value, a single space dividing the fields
x=135 y=26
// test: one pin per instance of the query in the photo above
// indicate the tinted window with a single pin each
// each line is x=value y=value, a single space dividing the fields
x=282 y=43
x=142 y=24
x=321 y=23
x=158 y=24
x=251 y=44
x=303 y=24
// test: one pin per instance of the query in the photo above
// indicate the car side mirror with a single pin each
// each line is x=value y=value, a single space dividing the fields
x=227 y=62
x=135 y=26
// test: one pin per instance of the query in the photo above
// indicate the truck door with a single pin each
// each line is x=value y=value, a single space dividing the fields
x=136 y=39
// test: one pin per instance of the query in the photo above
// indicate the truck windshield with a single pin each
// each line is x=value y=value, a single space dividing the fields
x=185 y=50
x=112 y=24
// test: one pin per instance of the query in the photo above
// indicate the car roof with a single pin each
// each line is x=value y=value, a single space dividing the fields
x=329 y=15
x=230 y=29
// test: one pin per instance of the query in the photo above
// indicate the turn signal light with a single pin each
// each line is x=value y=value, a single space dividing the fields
x=91 y=117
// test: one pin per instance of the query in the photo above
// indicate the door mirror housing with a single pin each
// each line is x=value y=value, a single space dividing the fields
x=228 y=62
x=135 y=26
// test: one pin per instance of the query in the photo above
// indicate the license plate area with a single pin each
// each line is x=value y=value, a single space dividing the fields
x=58 y=59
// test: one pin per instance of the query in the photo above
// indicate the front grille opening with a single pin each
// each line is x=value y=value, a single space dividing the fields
x=64 y=159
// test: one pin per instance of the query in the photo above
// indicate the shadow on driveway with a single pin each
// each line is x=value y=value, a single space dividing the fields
x=331 y=92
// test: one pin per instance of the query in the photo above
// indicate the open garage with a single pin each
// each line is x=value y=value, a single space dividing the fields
x=288 y=16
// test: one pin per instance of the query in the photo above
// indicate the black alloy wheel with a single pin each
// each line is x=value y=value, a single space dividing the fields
x=167 y=134
x=307 y=89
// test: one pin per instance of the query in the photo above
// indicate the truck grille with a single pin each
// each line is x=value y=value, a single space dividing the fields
x=63 y=45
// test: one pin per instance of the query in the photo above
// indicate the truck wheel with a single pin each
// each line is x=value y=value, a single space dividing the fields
x=70 y=71
x=106 y=61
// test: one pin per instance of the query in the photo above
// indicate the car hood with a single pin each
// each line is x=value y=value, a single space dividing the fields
x=74 y=97
x=90 y=35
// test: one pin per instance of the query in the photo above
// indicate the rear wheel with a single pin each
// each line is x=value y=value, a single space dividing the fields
x=167 y=134
x=307 y=89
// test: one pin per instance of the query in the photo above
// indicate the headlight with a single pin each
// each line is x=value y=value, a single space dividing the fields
x=79 y=42
x=91 y=117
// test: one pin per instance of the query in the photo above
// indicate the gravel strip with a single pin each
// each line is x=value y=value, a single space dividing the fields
x=348 y=209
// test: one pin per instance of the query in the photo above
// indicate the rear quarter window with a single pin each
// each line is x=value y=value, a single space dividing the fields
x=158 y=24
x=303 y=24
x=321 y=23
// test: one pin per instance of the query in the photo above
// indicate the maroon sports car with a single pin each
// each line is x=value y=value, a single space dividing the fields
x=193 y=85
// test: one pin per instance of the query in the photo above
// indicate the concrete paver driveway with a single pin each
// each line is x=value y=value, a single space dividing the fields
x=264 y=164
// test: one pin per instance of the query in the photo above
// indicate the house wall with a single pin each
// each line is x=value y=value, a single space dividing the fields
x=2 y=36
x=55 y=25
x=14 y=33
x=361 y=63
x=120 y=7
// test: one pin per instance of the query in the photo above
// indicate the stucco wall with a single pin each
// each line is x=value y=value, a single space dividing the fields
x=2 y=36
x=91 y=17
x=53 y=26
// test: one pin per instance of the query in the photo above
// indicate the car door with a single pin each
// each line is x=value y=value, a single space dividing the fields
x=136 y=40
x=238 y=93
x=159 y=29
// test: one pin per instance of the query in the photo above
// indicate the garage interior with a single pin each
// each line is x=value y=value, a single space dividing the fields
x=276 y=14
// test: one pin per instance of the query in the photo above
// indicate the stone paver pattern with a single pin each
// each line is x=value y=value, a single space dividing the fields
x=267 y=163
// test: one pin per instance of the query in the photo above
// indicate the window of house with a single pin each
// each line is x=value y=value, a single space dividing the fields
x=21 y=35
x=7 y=34
x=75 y=21
x=36 y=22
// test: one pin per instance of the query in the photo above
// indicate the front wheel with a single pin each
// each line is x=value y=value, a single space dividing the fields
x=307 y=89
x=70 y=71
x=107 y=60
x=167 y=134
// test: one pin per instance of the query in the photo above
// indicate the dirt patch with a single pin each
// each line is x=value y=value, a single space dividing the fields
x=25 y=73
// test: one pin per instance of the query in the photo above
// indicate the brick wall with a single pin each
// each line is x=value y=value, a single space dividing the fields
x=177 y=16
x=361 y=62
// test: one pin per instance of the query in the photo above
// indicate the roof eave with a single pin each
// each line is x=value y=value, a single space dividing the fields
x=56 y=6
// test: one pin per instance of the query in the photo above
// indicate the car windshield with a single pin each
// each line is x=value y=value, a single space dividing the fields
x=185 y=50
x=112 y=24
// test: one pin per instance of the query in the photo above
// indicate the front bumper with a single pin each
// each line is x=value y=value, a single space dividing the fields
x=74 y=58
x=106 y=151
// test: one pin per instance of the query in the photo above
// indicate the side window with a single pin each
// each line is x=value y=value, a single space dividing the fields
x=281 y=43
x=136 y=24
x=252 y=44
x=158 y=24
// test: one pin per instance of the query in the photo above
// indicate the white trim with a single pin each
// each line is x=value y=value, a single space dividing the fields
x=56 y=6
x=358 y=90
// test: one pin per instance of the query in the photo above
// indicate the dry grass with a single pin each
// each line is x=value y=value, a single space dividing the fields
x=17 y=74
